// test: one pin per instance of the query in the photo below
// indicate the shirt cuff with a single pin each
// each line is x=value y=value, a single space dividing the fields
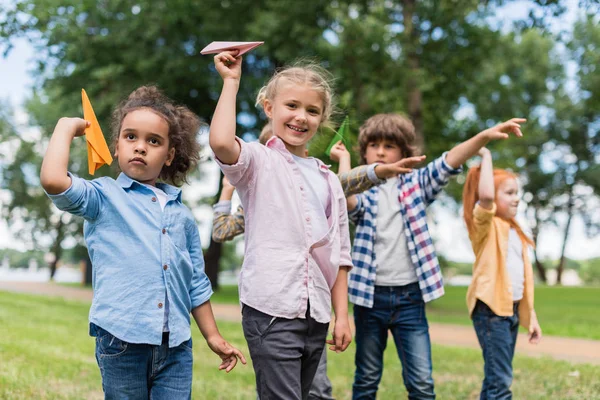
x=447 y=168
x=68 y=197
x=354 y=213
x=223 y=206
x=373 y=176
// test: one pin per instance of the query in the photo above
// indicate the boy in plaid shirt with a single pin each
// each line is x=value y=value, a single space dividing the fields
x=395 y=269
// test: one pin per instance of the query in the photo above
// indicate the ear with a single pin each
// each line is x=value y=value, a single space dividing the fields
x=116 y=149
x=170 y=156
x=268 y=107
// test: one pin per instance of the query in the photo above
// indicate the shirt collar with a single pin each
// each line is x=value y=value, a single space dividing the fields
x=171 y=191
x=276 y=143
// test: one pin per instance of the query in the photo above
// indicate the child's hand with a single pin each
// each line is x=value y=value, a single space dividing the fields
x=229 y=66
x=229 y=354
x=404 y=166
x=535 y=331
x=339 y=151
x=342 y=336
x=74 y=125
x=499 y=131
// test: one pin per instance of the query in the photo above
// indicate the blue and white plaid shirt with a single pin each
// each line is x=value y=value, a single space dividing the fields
x=417 y=190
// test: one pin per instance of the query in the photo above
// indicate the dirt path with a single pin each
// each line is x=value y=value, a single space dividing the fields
x=569 y=349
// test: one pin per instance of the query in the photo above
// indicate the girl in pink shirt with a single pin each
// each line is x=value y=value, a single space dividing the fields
x=297 y=241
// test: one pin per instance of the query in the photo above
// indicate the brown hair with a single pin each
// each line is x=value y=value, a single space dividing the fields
x=183 y=128
x=390 y=127
x=265 y=134
x=471 y=197
x=302 y=73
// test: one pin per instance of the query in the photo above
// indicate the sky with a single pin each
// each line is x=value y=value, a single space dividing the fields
x=449 y=230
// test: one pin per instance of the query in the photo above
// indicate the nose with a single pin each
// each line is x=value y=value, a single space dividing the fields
x=140 y=148
x=380 y=150
x=301 y=115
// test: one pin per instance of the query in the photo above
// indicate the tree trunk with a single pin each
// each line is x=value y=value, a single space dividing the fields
x=539 y=266
x=212 y=256
x=413 y=88
x=56 y=247
x=561 y=264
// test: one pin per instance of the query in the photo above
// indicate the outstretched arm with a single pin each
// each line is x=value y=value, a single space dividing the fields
x=53 y=175
x=467 y=149
x=222 y=128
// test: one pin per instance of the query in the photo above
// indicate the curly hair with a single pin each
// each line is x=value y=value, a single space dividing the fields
x=307 y=73
x=391 y=127
x=183 y=129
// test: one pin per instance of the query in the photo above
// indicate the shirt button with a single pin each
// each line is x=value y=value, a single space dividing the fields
x=160 y=305
x=302 y=188
x=307 y=219
x=165 y=267
x=153 y=199
x=164 y=231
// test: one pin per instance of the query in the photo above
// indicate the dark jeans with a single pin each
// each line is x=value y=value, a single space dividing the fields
x=143 y=371
x=497 y=337
x=401 y=310
x=285 y=353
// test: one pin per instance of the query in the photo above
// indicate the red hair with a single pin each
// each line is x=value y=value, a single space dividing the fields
x=471 y=197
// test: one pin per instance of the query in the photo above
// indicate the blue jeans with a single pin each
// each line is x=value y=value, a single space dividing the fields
x=497 y=337
x=143 y=371
x=401 y=310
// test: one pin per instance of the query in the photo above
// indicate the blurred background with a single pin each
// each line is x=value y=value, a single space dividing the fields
x=453 y=67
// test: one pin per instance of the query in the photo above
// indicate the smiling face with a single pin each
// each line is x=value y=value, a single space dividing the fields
x=143 y=146
x=383 y=152
x=507 y=198
x=295 y=113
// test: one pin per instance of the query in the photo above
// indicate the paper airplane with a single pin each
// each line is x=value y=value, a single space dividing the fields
x=242 y=47
x=341 y=134
x=97 y=149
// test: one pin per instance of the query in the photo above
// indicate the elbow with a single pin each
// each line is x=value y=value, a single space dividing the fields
x=53 y=185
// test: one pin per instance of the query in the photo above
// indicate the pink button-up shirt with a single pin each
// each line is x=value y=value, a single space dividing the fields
x=284 y=266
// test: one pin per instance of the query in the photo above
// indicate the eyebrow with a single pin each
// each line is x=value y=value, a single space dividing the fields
x=151 y=134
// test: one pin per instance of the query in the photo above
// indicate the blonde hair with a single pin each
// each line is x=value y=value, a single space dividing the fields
x=471 y=197
x=302 y=73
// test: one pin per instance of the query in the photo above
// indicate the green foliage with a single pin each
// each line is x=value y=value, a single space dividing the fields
x=20 y=259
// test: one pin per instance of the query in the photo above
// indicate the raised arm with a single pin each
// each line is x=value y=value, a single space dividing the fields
x=486 y=190
x=222 y=128
x=467 y=149
x=53 y=175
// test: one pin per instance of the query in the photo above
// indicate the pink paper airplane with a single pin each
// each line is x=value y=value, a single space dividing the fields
x=242 y=47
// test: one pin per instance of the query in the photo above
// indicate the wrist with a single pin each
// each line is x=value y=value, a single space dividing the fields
x=233 y=83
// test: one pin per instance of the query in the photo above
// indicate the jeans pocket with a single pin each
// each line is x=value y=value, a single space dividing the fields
x=188 y=344
x=110 y=346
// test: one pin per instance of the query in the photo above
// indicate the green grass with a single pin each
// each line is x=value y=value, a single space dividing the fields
x=46 y=354
x=562 y=311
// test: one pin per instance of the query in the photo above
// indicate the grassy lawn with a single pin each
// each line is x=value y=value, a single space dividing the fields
x=562 y=311
x=46 y=353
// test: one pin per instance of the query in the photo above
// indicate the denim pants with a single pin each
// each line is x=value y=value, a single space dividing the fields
x=497 y=337
x=143 y=371
x=285 y=353
x=401 y=310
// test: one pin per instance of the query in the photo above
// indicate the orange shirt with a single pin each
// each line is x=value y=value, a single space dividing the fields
x=491 y=283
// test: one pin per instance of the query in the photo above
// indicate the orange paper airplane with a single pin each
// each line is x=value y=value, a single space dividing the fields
x=97 y=149
x=242 y=47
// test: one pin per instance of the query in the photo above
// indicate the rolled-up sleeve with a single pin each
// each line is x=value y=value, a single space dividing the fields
x=359 y=210
x=240 y=173
x=83 y=198
x=482 y=221
x=200 y=289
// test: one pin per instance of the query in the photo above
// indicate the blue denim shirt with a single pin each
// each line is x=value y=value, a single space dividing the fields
x=139 y=254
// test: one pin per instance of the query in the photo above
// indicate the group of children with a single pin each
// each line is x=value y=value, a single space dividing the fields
x=299 y=263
